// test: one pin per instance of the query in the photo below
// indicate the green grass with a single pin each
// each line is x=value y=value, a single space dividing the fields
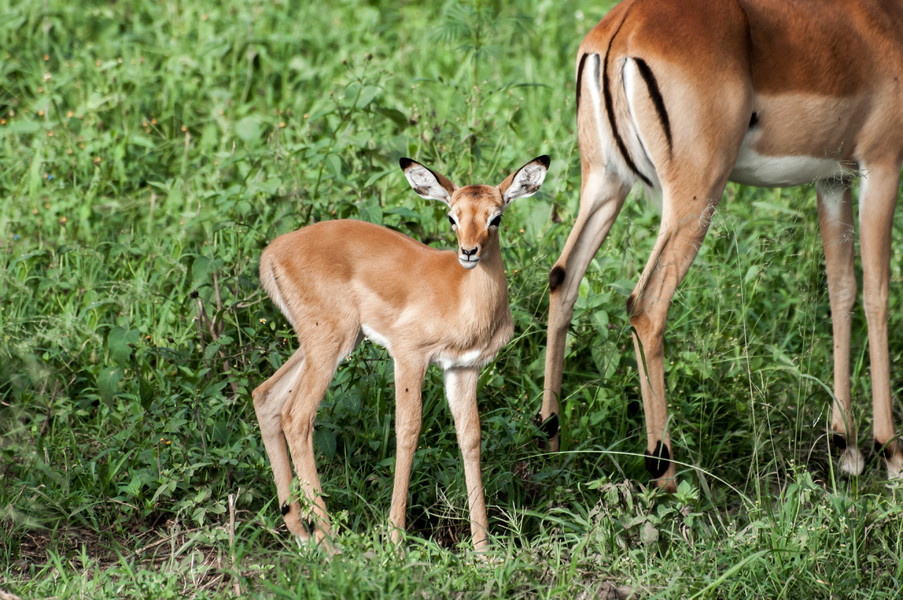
x=148 y=152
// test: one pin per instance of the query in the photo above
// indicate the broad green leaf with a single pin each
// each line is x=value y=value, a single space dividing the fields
x=249 y=129
x=119 y=341
x=108 y=382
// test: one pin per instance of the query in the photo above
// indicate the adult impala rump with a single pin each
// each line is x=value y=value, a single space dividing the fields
x=339 y=281
x=684 y=95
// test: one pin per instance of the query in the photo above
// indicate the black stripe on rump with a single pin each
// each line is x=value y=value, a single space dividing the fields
x=656 y=95
x=606 y=93
x=580 y=79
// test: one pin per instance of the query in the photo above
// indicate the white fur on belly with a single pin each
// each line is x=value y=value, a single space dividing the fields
x=756 y=169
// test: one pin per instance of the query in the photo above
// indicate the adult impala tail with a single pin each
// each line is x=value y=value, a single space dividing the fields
x=339 y=281
x=684 y=95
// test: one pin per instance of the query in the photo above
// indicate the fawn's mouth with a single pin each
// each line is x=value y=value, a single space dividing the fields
x=468 y=262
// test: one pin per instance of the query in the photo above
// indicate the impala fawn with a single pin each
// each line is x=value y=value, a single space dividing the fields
x=339 y=281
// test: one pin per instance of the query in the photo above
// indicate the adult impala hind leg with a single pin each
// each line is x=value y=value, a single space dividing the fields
x=269 y=398
x=601 y=198
x=693 y=178
x=878 y=190
x=835 y=218
x=409 y=375
x=693 y=174
x=683 y=228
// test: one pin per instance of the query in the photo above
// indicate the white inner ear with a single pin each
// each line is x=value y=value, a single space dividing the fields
x=526 y=182
x=425 y=183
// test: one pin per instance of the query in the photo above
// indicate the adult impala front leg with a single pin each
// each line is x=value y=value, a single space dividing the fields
x=835 y=219
x=878 y=190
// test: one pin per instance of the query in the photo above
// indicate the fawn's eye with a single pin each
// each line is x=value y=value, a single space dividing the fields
x=451 y=220
x=496 y=221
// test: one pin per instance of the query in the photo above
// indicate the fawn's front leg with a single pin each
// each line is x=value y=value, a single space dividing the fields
x=461 y=390
x=408 y=414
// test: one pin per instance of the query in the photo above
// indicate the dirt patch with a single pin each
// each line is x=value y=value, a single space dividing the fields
x=34 y=545
x=165 y=549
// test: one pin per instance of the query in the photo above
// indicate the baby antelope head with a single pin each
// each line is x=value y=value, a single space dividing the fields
x=475 y=211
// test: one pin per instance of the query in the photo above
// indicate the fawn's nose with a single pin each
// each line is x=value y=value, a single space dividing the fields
x=470 y=252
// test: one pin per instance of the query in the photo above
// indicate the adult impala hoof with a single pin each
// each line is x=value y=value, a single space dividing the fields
x=893 y=458
x=319 y=542
x=852 y=462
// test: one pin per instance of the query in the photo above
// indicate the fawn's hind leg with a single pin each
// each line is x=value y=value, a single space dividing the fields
x=269 y=398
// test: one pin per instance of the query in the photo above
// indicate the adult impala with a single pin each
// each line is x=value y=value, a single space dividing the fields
x=684 y=95
x=339 y=281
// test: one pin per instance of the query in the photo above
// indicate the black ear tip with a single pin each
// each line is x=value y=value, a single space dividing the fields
x=545 y=160
x=405 y=162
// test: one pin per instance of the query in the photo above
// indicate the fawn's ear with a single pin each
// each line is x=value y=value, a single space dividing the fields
x=526 y=181
x=426 y=183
